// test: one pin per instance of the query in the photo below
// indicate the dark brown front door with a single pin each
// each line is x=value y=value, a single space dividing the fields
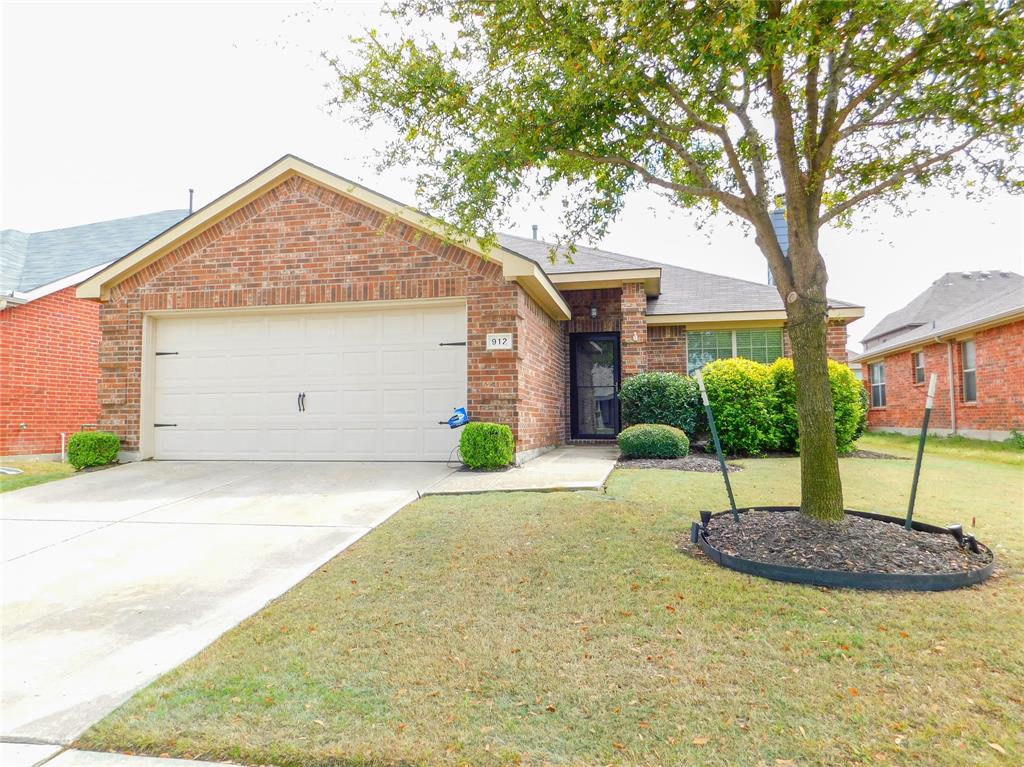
x=594 y=385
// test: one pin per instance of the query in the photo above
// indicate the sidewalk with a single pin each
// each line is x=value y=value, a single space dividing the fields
x=570 y=467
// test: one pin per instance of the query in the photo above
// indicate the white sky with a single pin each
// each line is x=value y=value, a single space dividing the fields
x=114 y=110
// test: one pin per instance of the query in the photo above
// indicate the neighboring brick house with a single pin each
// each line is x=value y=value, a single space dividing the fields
x=49 y=339
x=304 y=316
x=967 y=327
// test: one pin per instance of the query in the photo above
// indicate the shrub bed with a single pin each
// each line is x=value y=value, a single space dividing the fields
x=487 y=445
x=742 y=397
x=93 y=448
x=652 y=440
x=667 y=398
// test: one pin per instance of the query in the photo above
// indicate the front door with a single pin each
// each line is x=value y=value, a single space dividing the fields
x=594 y=385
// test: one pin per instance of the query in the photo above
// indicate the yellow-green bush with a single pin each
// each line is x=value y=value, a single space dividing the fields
x=848 y=402
x=92 y=448
x=742 y=397
x=487 y=445
x=653 y=440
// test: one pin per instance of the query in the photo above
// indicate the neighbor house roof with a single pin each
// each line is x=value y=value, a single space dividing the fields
x=682 y=293
x=30 y=261
x=954 y=303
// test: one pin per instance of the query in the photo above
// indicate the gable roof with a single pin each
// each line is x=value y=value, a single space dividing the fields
x=515 y=266
x=954 y=303
x=32 y=260
x=683 y=292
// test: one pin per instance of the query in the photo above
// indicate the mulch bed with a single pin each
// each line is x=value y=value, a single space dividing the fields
x=692 y=462
x=855 y=545
x=873 y=454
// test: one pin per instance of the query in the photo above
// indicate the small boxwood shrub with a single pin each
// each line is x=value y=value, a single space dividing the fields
x=667 y=398
x=487 y=445
x=848 y=401
x=93 y=448
x=653 y=440
x=742 y=397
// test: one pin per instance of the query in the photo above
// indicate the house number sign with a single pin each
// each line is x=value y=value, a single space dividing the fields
x=497 y=341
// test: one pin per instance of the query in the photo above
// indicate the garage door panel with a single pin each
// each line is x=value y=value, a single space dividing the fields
x=376 y=384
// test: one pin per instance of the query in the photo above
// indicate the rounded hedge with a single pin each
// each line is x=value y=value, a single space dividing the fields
x=487 y=445
x=93 y=448
x=848 y=400
x=653 y=440
x=667 y=398
x=742 y=397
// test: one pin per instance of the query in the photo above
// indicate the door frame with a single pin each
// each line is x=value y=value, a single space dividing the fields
x=574 y=431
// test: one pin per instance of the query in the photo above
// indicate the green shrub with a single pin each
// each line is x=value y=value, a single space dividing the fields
x=487 y=445
x=865 y=403
x=848 y=400
x=1017 y=439
x=653 y=440
x=742 y=399
x=93 y=448
x=667 y=398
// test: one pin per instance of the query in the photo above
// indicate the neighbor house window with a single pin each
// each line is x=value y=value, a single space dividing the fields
x=758 y=344
x=967 y=357
x=918 y=367
x=877 y=384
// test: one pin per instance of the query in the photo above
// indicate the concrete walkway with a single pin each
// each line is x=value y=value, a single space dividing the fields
x=571 y=467
x=113 y=578
x=52 y=756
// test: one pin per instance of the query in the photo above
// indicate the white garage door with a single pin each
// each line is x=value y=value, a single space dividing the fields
x=375 y=384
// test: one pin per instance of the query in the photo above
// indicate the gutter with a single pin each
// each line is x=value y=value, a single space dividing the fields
x=952 y=388
x=11 y=300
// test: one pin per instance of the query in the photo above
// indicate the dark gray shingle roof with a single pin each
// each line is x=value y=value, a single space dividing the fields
x=955 y=300
x=683 y=291
x=31 y=260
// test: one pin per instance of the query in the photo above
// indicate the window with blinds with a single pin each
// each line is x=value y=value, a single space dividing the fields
x=758 y=344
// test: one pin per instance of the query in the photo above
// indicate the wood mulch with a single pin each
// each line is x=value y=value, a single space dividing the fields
x=692 y=462
x=854 y=545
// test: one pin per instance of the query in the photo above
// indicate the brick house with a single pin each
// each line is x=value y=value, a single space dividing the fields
x=49 y=339
x=968 y=328
x=301 y=315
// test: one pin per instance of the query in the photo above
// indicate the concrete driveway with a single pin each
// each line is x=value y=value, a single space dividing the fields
x=111 y=578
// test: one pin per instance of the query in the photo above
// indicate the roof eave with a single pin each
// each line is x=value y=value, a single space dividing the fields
x=946 y=334
x=769 y=317
x=609 y=278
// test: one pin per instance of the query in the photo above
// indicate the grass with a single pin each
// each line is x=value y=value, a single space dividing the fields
x=570 y=629
x=955 y=447
x=34 y=473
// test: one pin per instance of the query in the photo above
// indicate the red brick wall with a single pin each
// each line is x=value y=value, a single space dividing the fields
x=634 y=329
x=1000 y=375
x=48 y=371
x=303 y=244
x=835 y=341
x=666 y=349
x=543 y=370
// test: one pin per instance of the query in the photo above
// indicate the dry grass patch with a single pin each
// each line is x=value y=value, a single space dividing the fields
x=568 y=628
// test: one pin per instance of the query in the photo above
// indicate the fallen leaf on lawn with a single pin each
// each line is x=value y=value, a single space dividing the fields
x=997 y=747
x=550 y=708
x=802 y=730
x=617 y=745
x=854 y=692
x=701 y=741
x=320 y=722
x=904 y=634
x=401 y=726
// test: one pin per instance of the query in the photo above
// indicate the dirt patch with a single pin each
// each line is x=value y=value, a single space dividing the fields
x=854 y=545
x=692 y=462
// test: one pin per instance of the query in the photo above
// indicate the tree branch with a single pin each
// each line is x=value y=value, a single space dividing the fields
x=887 y=183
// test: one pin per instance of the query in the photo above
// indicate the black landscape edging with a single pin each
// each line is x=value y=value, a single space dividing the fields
x=844 y=578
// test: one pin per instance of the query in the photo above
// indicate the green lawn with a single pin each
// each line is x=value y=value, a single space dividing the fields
x=570 y=629
x=954 y=447
x=34 y=473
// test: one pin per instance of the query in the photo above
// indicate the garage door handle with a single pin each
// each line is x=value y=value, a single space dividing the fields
x=298 y=401
x=303 y=400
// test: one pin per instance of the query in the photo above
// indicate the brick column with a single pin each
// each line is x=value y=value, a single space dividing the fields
x=633 y=329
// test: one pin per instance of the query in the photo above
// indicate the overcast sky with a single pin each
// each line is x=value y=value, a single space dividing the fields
x=115 y=110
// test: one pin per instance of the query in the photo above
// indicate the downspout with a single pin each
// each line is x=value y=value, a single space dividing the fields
x=952 y=387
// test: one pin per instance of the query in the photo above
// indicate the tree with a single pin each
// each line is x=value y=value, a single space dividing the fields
x=719 y=105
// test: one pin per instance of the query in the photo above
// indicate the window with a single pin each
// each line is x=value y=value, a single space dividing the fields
x=967 y=357
x=918 y=358
x=704 y=346
x=877 y=384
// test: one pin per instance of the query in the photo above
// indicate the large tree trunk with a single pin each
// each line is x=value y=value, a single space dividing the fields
x=821 y=491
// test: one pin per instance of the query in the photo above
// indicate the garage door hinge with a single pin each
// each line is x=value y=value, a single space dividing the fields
x=165 y=354
x=452 y=343
x=158 y=425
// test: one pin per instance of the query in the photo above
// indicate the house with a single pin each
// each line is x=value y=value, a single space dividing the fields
x=968 y=329
x=49 y=339
x=303 y=316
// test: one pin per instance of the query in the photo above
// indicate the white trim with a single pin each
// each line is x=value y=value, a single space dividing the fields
x=777 y=316
x=611 y=278
x=18 y=298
